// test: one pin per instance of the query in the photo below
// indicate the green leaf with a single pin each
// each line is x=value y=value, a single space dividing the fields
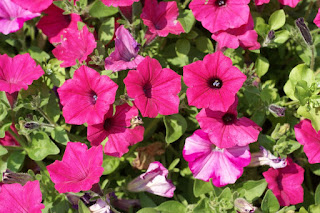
x=52 y=108
x=277 y=19
x=174 y=164
x=312 y=114
x=15 y=160
x=60 y=135
x=3 y=151
x=262 y=66
x=182 y=47
x=270 y=203
x=315 y=168
x=41 y=146
x=317 y=195
x=201 y=187
x=37 y=54
x=56 y=73
x=147 y=210
x=110 y=164
x=187 y=20
x=303 y=210
x=82 y=208
x=254 y=189
x=99 y=10
x=281 y=36
x=171 y=207
x=314 y=208
x=204 y=44
x=4 y=127
x=106 y=30
x=175 y=125
x=302 y=92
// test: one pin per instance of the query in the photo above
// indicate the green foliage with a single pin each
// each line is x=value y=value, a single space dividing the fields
x=176 y=125
x=277 y=20
x=270 y=203
x=99 y=10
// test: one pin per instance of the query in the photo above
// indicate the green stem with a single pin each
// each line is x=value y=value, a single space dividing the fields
x=290 y=103
x=47 y=117
x=173 y=150
x=185 y=4
x=152 y=125
x=308 y=177
x=18 y=138
x=42 y=166
x=312 y=57
x=315 y=31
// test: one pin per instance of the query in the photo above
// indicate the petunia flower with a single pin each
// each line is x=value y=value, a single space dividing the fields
x=161 y=18
x=86 y=98
x=117 y=127
x=265 y=157
x=207 y=161
x=53 y=23
x=244 y=36
x=118 y=3
x=317 y=19
x=285 y=183
x=15 y=198
x=290 y=3
x=216 y=15
x=155 y=90
x=310 y=139
x=125 y=55
x=225 y=130
x=75 y=45
x=12 y=16
x=35 y=6
x=8 y=139
x=212 y=82
x=261 y=2
x=154 y=181
x=18 y=72
x=79 y=169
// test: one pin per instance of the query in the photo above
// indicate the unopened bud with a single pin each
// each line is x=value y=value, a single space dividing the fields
x=277 y=110
x=31 y=125
x=265 y=157
x=10 y=177
x=269 y=38
x=304 y=30
x=244 y=206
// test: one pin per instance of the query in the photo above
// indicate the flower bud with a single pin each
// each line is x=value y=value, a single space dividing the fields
x=277 y=110
x=264 y=157
x=304 y=30
x=244 y=206
x=10 y=177
x=100 y=207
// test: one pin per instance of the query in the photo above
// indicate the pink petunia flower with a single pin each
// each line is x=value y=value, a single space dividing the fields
x=154 y=181
x=35 y=6
x=207 y=161
x=155 y=90
x=118 y=3
x=75 y=45
x=8 y=139
x=15 y=198
x=290 y=3
x=117 y=127
x=244 y=36
x=79 y=169
x=161 y=18
x=125 y=55
x=225 y=130
x=310 y=139
x=285 y=183
x=212 y=82
x=216 y=15
x=261 y=2
x=18 y=72
x=12 y=16
x=317 y=19
x=86 y=98
x=54 y=23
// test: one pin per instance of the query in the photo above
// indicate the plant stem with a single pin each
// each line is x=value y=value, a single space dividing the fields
x=42 y=166
x=290 y=103
x=315 y=31
x=308 y=10
x=312 y=57
x=185 y=3
x=18 y=138
x=47 y=117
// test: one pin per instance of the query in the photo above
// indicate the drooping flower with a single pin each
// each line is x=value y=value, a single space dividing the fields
x=244 y=36
x=216 y=15
x=207 y=161
x=317 y=19
x=86 y=98
x=265 y=157
x=154 y=181
x=212 y=82
x=8 y=139
x=54 y=23
x=125 y=55
x=310 y=139
x=18 y=72
x=118 y=3
x=161 y=18
x=117 y=127
x=33 y=5
x=75 y=45
x=79 y=169
x=155 y=90
x=285 y=183
x=12 y=16
x=15 y=198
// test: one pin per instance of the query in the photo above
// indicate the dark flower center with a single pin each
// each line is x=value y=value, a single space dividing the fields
x=220 y=3
x=147 y=90
x=228 y=118
x=93 y=97
x=107 y=124
x=215 y=83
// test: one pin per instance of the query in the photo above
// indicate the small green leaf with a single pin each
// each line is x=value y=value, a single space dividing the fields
x=270 y=203
x=15 y=160
x=201 y=187
x=171 y=207
x=60 y=135
x=106 y=30
x=110 y=164
x=99 y=10
x=317 y=195
x=175 y=125
x=37 y=54
x=254 y=189
x=187 y=20
x=182 y=47
x=262 y=66
x=302 y=92
x=204 y=44
x=3 y=151
x=82 y=208
x=147 y=210
x=277 y=19
x=314 y=208
x=312 y=114
x=281 y=36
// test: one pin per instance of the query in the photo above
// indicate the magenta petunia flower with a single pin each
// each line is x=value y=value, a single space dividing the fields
x=317 y=19
x=290 y=3
x=54 y=23
x=154 y=181
x=119 y=130
x=118 y=3
x=212 y=82
x=155 y=90
x=12 y=16
x=86 y=98
x=207 y=161
x=8 y=139
x=310 y=139
x=285 y=183
x=15 y=198
x=244 y=36
x=261 y=2
x=18 y=72
x=216 y=15
x=79 y=169
x=161 y=18
x=33 y=5
x=125 y=55
x=75 y=45
x=225 y=130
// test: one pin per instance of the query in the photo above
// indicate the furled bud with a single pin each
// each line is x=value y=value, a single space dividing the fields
x=265 y=157
x=244 y=206
x=10 y=177
x=304 y=30
x=277 y=110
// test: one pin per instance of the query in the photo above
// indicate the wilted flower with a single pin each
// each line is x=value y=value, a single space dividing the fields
x=265 y=157
x=244 y=206
x=146 y=155
x=154 y=181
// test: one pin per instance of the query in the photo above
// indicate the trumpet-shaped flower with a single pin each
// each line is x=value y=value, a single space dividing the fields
x=15 y=198
x=8 y=139
x=154 y=181
x=79 y=169
x=125 y=55
x=18 y=72
x=212 y=82
x=118 y=3
x=33 y=5
x=207 y=161
x=317 y=19
x=290 y=3
x=155 y=90
x=117 y=127
x=285 y=183
x=86 y=98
